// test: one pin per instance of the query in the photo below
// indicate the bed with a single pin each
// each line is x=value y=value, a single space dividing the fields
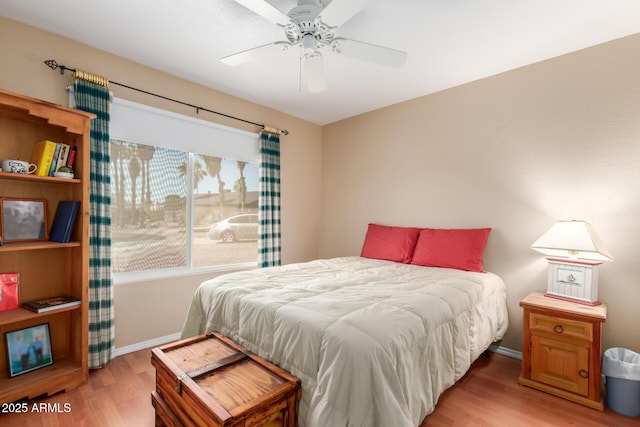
x=374 y=341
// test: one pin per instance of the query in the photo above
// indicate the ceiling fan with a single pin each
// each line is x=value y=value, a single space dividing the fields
x=311 y=26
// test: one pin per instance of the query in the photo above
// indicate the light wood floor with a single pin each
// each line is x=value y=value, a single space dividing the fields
x=119 y=395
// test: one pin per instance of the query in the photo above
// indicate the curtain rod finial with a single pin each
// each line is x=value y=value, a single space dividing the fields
x=51 y=63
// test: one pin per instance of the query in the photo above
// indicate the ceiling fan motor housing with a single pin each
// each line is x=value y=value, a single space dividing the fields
x=306 y=28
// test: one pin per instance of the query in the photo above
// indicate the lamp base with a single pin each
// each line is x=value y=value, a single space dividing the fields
x=589 y=303
x=574 y=280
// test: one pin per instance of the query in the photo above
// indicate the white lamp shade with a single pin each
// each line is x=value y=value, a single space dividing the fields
x=572 y=239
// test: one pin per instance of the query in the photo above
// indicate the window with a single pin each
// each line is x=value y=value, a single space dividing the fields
x=225 y=212
x=184 y=193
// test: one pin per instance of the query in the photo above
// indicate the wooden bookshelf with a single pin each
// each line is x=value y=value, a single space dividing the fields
x=46 y=269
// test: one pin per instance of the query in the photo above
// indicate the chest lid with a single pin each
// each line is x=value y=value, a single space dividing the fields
x=212 y=367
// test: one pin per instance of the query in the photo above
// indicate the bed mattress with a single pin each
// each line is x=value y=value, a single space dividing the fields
x=374 y=342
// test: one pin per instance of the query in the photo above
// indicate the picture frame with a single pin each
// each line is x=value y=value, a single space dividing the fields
x=23 y=220
x=28 y=349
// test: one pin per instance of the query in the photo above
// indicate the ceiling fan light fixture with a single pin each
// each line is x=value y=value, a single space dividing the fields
x=314 y=71
x=308 y=43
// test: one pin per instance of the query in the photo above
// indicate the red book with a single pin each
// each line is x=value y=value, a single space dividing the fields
x=72 y=156
x=9 y=291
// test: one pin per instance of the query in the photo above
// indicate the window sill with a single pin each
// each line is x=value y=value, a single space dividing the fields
x=170 y=273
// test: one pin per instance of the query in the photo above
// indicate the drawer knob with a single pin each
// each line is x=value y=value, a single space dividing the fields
x=558 y=329
x=583 y=373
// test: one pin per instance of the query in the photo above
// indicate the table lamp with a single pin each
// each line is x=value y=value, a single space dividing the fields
x=574 y=251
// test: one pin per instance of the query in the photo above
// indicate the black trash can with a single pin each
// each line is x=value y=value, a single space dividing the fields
x=621 y=368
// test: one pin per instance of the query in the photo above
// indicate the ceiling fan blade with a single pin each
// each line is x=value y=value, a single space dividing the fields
x=256 y=53
x=340 y=11
x=265 y=10
x=369 y=52
x=314 y=72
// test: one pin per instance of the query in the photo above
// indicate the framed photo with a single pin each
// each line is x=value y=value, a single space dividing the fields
x=28 y=349
x=23 y=220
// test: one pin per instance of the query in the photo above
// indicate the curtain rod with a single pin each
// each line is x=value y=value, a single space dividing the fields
x=51 y=63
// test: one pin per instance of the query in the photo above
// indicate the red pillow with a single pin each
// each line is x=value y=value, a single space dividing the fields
x=390 y=243
x=458 y=248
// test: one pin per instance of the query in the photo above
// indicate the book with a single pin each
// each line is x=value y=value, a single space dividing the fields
x=54 y=161
x=62 y=156
x=54 y=303
x=9 y=283
x=42 y=156
x=63 y=221
x=72 y=156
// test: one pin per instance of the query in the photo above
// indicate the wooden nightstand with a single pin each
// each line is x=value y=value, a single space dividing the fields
x=561 y=350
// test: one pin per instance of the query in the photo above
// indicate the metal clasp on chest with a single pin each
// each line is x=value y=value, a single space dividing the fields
x=179 y=386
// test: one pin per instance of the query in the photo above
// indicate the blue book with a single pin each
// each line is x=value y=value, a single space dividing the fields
x=63 y=221
x=52 y=169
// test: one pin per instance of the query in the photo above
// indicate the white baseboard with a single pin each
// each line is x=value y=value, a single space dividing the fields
x=506 y=352
x=146 y=344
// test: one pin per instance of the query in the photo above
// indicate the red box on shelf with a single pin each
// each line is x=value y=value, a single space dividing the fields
x=9 y=291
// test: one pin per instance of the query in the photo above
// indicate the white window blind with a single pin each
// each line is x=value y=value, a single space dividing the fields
x=153 y=126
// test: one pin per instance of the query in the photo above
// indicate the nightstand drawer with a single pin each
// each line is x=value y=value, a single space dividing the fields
x=558 y=326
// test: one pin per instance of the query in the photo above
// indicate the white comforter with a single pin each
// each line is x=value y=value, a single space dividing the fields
x=374 y=342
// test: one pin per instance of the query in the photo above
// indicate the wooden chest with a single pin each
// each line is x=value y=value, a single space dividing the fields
x=210 y=380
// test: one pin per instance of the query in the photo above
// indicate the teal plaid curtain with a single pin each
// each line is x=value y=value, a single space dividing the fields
x=97 y=99
x=269 y=202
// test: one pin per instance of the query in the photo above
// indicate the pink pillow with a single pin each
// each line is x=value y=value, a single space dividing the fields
x=457 y=248
x=390 y=243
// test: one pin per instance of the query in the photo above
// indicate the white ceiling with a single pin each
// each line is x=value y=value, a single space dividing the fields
x=449 y=42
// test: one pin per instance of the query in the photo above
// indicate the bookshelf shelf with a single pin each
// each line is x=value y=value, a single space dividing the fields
x=44 y=381
x=34 y=246
x=21 y=314
x=46 y=269
x=35 y=178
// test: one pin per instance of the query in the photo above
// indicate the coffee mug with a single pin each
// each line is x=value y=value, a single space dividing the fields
x=18 y=166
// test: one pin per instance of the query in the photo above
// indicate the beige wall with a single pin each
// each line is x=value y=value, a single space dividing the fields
x=555 y=140
x=516 y=152
x=156 y=308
